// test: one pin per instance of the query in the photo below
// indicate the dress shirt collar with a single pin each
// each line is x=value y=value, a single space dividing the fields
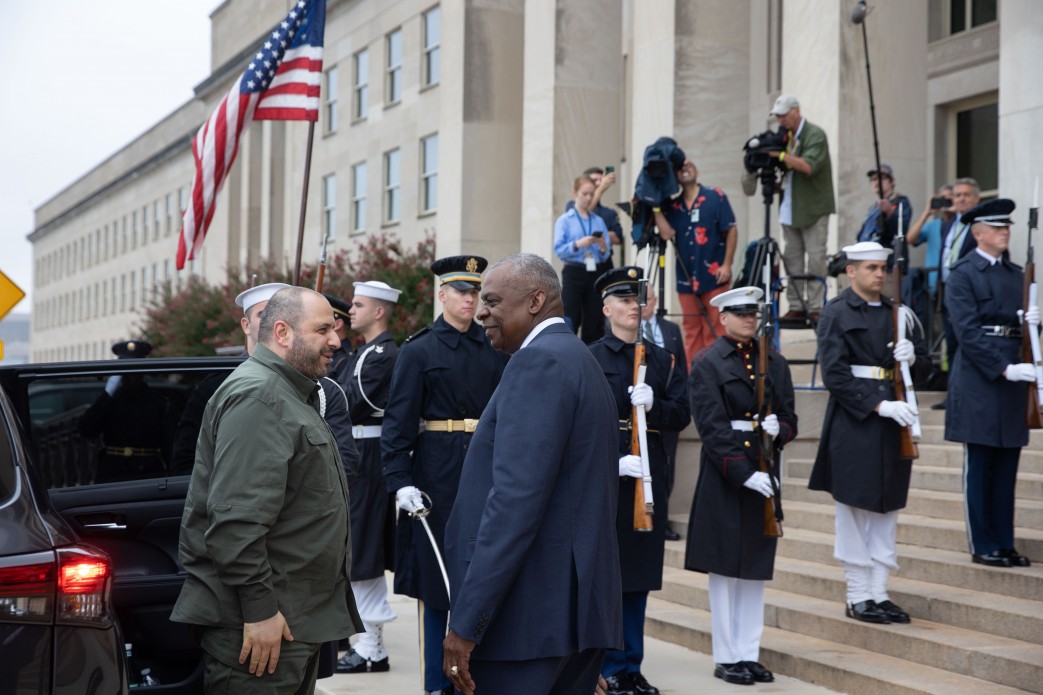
x=991 y=259
x=538 y=328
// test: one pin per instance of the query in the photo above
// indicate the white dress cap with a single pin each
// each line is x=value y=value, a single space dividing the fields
x=866 y=251
x=377 y=290
x=742 y=299
x=258 y=294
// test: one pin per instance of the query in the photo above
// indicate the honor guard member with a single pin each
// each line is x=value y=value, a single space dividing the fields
x=987 y=385
x=726 y=527
x=342 y=325
x=442 y=381
x=663 y=398
x=858 y=459
x=367 y=380
x=131 y=419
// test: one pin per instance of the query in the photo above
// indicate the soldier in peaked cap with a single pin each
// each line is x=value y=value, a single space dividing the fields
x=131 y=419
x=663 y=397
x=442 y=381
x=859 y=459
x=987 y=386
x=725 y=528
x=366 y=378
x=341 y=324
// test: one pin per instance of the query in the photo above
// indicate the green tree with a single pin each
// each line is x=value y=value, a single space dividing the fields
x=199 y=318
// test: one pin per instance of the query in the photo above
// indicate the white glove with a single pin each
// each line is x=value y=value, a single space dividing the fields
x=630 y=466
x=1031 y=317
x=899 y=411
x=642 y=395
x=904 y=351
x=1020 y=372
x=113 y=384
x=771 y=425
x=760 y=482
x=408 y=499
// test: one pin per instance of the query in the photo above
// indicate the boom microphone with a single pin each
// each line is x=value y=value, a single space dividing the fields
x=858 y=14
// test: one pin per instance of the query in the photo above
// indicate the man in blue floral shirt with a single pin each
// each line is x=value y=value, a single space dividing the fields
x=702 y=223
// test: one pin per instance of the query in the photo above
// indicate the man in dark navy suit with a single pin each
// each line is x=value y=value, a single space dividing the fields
x=531 y=544
x=989 y=381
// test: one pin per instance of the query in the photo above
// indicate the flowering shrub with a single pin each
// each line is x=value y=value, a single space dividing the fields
x=199 y=318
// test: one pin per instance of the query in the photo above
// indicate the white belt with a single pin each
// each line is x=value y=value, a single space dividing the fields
x=744 y=425
x=862 y=371
x=365 y=431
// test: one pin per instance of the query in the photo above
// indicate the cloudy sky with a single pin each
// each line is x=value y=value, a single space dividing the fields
x=81 y=80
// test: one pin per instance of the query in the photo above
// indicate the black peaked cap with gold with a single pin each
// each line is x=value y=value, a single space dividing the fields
x=622 y=282
x=130 y=349
x=462 y=272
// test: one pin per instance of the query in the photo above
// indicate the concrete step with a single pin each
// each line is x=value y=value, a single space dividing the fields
x=913 y=529
x=929 y=503
x=829 y=663
x=942 y=478
x=945 y=454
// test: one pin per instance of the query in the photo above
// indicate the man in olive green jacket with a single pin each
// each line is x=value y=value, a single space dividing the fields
x=807 y=202
x=265 y=536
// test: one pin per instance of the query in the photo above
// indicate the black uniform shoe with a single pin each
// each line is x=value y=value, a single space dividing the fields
x=759 y=673
x=352 y=662
x=733 y=673
x=940 y=405
x=993 y=559
x=866 y=611
x=642 y=686
x=671 y=534
x=1016 y=558
x=619 y=684
x=894 y=613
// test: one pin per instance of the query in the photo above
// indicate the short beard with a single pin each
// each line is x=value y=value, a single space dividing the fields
x=307 y=363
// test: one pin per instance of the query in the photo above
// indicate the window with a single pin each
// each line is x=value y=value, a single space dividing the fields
x=977 y=142
x=123 y=292
x=133 y=291
x=126 y=240
x=331 y=100
x=358 y=198
x=429 y=173
x=393 y=86
x=144 y=227
x=144 y=285
x=170 y=214
x=392 y=182
x=157 y=217
x=106 y=246
x=329 y=205
x=967 y=14
x=432 y=66
x=361 y=84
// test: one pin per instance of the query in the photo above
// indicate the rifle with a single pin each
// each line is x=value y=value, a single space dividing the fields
x=766 y=454
x=320 y=276
x=643 y=505
x=903 y=381
x=1029 y=338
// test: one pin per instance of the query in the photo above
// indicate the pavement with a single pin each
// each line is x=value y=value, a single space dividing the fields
x=670 y=668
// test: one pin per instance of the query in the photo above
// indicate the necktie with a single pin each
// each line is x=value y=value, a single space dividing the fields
x=954 y=250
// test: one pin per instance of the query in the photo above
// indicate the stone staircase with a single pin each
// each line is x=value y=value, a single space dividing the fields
x=975 y=630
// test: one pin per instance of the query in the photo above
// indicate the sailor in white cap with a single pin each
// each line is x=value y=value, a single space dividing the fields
x=366 y=378
x=725 y=528
x=859 y=458
x=252 y=301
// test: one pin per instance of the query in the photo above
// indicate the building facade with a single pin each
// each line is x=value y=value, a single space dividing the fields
x=469 y=120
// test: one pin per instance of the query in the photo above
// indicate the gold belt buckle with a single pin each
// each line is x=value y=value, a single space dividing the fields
x=128 y=451
x=470 y=424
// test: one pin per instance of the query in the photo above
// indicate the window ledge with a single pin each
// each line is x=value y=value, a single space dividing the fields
x=963 y=50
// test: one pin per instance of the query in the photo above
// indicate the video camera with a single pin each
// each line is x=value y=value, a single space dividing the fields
x=656 y=186
x=758 y=148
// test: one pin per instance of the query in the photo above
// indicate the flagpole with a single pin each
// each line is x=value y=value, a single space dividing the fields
x=304 y=204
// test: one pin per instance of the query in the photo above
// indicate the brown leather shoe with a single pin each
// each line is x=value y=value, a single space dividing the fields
x=815 y=316
x=794 y=315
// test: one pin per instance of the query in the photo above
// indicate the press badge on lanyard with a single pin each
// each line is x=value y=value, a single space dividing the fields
x=591 y=264
x=693 y=216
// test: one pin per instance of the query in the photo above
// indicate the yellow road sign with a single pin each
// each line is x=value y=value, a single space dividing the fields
x=10 y=295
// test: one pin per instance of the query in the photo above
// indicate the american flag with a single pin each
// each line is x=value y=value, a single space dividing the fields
x=281 y=83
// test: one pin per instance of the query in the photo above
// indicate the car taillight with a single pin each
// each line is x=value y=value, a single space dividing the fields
x=27 y=587
x=84 y=581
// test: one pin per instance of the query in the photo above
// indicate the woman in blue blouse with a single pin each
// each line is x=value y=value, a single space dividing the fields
x=581 y=242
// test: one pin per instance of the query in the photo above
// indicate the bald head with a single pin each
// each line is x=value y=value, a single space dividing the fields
x=298 y=325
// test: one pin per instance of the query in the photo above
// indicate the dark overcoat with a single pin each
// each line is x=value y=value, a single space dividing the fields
x=858 y=458
x=440 y=374
x=372 y=506
x=982 y=406
x=641 y=552
x=726 y=525
x=531 y=546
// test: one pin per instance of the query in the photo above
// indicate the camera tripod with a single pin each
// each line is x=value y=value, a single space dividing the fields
x=655 y=267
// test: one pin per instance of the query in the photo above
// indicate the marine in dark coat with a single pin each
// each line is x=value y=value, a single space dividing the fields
x=726 y=527
x=988 y=383
x=859 y=458
x=445 y=375
x=640 y=552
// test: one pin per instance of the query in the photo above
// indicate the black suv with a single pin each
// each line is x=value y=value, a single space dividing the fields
x=92 y=487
